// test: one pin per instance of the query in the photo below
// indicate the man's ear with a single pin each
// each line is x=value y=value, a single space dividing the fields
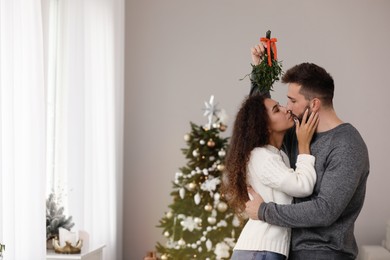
x=315 y=104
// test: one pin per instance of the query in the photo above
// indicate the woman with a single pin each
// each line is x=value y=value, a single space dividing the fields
x=255 y=158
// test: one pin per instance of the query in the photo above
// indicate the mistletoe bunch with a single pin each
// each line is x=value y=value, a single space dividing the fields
x=269 y=70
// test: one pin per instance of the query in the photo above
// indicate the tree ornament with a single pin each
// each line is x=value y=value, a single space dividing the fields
x=222 y=206
x=221 y=167
x=166 y=233
x=187 y=137
x=221 y=153
x=202 y=142
x=209 y=244
x=164 y=257
x=195 y=153
x=211 y=220
x=210 y=111
x=208 y=207
x=210 y=184
x=197 y=198
x=217 y=196
x=182 y=193
x=198 y=220
x=222 y=127
x=211 y=143
x=222 y=250
x=222 y=223
x=191 y=186
x=236 y=221
x=188 y=223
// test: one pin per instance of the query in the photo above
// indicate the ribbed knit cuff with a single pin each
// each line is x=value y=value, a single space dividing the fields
x=261 y=212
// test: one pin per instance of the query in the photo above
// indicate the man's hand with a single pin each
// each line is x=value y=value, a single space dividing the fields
x=253 y=205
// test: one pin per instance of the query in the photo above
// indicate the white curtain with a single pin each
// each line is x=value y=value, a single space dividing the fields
x=88 y=97
x=22 y=130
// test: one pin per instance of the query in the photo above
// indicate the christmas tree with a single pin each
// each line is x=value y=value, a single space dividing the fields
x=199 y=224
x=55 y=218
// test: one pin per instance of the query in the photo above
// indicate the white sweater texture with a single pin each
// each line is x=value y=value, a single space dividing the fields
x=269 y=174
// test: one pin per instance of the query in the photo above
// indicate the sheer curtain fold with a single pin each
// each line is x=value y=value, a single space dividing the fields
x=88 y=126
x=22 y=106
x=90 y=68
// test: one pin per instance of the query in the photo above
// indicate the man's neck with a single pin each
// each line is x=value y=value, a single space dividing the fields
x=328 y=120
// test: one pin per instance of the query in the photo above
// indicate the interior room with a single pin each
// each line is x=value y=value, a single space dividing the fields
x=98 y=98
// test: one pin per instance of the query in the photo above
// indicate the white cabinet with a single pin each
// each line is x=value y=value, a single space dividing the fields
x=96 y=254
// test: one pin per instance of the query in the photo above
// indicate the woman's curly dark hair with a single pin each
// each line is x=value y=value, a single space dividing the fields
x=250 y=131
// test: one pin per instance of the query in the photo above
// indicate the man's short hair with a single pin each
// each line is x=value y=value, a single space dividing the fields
x=314 y=80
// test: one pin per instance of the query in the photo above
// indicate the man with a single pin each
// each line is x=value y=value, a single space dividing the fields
x=323 y=223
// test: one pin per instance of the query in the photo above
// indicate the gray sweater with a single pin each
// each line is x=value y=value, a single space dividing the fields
x=324 y=221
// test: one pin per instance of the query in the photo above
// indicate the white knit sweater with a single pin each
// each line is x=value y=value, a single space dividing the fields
x=269 y=174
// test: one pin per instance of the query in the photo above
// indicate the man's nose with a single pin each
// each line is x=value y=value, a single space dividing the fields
x=284 y=109
x=288 y=106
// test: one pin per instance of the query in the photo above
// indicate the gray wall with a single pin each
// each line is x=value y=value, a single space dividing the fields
x=178 y=53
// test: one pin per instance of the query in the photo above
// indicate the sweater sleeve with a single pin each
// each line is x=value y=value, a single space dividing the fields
x=275 y=174
x=345 y=170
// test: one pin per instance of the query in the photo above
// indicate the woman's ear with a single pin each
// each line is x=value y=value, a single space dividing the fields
x=315 y=104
